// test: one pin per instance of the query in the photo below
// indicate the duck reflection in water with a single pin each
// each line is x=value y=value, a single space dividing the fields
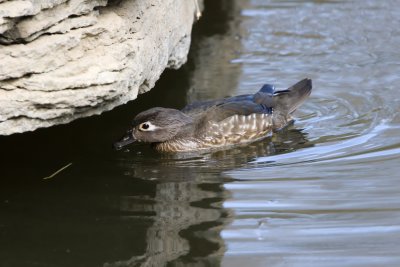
x=186 y=208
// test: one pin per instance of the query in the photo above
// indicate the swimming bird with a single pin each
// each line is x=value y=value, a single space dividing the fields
x=217 y=124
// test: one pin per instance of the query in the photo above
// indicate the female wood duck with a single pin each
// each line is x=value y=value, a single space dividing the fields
x=218 y=123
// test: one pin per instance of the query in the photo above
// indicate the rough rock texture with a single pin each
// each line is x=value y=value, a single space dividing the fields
x=65 y=59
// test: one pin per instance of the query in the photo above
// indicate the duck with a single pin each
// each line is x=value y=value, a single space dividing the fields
x=217 y=124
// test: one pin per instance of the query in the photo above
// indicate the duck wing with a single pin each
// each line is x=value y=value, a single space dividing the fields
x=234 y=117
x=266 y=101
x=198 y=108
x=242 y=108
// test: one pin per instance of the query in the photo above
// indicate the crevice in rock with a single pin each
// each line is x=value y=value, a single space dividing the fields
x=144 y=87
x=112 y=3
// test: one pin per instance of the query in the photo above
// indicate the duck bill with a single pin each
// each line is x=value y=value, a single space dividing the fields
x=126 y=140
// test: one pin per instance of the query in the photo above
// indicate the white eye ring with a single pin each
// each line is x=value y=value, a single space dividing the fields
x=147 y=126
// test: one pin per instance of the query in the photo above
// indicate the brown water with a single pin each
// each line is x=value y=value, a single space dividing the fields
x=324 y=192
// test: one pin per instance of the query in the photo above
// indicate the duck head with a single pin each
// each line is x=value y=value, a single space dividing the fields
x=154 y=126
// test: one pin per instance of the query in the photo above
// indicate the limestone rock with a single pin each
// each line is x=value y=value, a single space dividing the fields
x=61 y=60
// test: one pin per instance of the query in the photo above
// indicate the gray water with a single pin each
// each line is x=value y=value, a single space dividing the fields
x=323 y=192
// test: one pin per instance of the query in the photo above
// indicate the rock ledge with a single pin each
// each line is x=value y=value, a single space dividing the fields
x=65 y=59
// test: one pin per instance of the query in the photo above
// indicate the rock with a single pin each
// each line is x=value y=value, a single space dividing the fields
x=12 y=11
x=62 y=60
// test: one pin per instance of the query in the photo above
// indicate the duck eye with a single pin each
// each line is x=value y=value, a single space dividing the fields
x=146 y=126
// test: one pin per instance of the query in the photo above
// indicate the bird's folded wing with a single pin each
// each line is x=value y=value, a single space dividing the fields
x=222 y=111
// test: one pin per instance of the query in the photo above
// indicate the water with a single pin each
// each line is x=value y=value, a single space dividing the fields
x=324 y=192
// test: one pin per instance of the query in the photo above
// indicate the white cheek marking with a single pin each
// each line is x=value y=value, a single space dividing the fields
x=152 y=127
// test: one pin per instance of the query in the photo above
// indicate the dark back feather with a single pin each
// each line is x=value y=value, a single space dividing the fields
x=263 y=102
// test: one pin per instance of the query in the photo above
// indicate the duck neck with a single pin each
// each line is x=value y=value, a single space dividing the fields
x=185 y=139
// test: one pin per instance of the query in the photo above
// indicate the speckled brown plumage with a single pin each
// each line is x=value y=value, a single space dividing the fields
x=218 y=123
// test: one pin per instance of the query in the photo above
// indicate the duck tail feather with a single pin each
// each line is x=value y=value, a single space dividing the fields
x=290 y=99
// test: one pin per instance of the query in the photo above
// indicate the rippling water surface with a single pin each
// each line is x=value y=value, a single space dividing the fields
x=323 y=192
